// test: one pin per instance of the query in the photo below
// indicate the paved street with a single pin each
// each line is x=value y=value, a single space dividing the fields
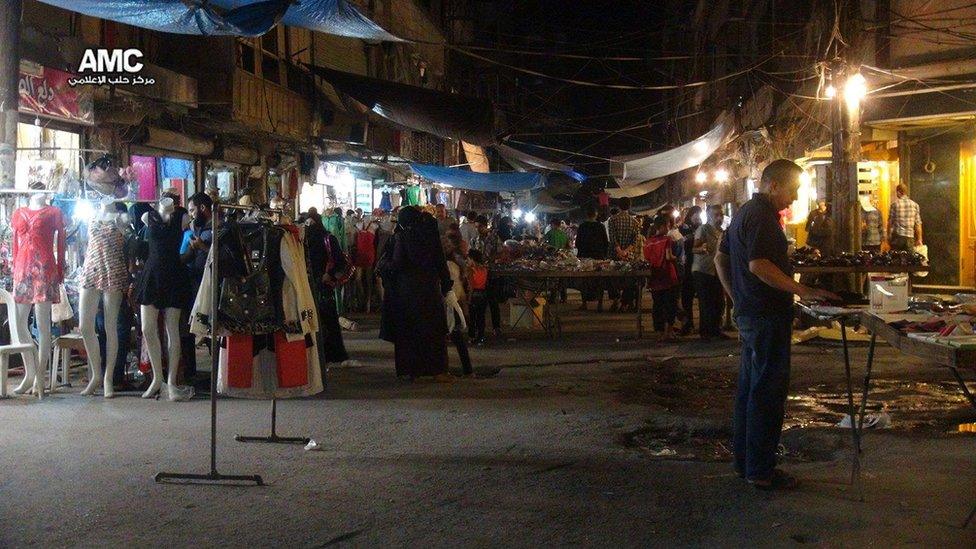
x=588 y=441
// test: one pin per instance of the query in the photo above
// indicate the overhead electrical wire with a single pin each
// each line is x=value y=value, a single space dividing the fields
x=613 y=86
x=655 y=57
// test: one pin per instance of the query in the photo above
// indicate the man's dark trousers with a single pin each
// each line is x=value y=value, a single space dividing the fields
x=764 y=379
x=902 y=243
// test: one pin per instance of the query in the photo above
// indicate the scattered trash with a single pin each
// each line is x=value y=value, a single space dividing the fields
x=348 y=325
x=806 y=335
x=663 y=452
x=313 y=446
x=871 y=421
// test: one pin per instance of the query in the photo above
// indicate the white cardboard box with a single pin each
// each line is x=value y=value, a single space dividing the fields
x=888 y=293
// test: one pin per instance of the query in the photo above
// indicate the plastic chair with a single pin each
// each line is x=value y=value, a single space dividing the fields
x=63 y=346
x=19 y=343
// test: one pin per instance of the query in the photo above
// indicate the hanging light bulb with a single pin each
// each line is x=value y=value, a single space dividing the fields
x=517 y=214
x=830 y=91
x=855 y=90
x=530 y=217
x=701 y=177
x=721 y=175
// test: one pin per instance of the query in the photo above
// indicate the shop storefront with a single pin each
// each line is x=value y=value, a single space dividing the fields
x=50 y=131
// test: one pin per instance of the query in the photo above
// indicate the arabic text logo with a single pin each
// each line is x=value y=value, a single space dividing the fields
x=100 y=66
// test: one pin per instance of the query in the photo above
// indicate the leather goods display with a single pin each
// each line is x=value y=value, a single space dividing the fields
x=245 y=305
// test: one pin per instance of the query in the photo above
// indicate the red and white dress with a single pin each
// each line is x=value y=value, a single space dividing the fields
x=38 y=273
x=105 y=268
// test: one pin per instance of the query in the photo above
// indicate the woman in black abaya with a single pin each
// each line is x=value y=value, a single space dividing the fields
x=415 y=280
x=323 y=268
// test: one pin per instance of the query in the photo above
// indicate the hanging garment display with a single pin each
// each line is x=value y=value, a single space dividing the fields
x=105 y=267
x=245 y=301
x=164 y=282
x=385 y=203
x=282 y=364
x=37 y=272
x=413 y=195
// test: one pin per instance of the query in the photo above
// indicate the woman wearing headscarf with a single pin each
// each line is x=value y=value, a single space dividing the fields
x=415 y=280
x=325 y=262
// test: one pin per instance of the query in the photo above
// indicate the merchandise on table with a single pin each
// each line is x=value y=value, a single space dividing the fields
x=807 y=256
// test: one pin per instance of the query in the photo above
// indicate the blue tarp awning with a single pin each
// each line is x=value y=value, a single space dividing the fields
x=485 y=182
x=231 y=17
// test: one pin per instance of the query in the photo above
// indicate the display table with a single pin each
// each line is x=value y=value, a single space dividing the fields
x=941 y=354
x=551 y=283
x=862 y=269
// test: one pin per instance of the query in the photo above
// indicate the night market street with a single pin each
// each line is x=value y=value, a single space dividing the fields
x=556 y=449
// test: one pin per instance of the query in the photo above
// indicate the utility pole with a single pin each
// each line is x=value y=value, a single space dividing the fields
x=845 y=152
x=10 y=13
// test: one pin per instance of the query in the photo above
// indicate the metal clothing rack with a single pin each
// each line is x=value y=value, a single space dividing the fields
x=214 y=476
x=273 y=437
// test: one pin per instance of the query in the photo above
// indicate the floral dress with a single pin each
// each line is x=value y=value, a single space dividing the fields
x=105 y=267
x=38 y=273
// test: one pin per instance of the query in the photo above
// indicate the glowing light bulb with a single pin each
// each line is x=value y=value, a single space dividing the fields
x=530 y=217
x=855 y=90
x=721 y=175
x=517 y=214
x=830 y=91
x=701 y=177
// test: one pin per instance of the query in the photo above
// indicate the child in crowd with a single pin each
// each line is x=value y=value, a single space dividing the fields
x=478 y=285
x=664 y=283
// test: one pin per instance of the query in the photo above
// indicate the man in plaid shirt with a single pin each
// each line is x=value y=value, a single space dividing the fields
x=904 y=222
x=622 y=229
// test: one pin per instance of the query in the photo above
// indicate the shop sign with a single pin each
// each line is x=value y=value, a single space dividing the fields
x=45 y=92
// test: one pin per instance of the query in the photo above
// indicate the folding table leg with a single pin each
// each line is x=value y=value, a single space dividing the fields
x=867 y=384
x=855 y=434
x=962 y=385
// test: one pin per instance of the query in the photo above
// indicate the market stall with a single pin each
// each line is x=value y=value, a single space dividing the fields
x=937 y=334
x=535 y=279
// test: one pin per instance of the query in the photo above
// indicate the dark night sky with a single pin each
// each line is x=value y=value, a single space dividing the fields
x=547 y=109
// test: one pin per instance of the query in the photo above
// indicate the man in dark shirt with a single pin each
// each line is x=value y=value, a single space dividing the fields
x=753 y=266
x=592 y=243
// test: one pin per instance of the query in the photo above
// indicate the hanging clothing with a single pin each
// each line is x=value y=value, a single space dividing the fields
x=335 y=225
x=283 y=364
x=105 y=267
x=396 y=199
x=413 y=195
x=415 y=279
x=37 y=272
x=164 y=282
x=386 y=204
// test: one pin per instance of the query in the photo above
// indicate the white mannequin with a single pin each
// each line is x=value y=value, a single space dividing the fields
x=34 y=377
x=150 y=328
x=88 y=309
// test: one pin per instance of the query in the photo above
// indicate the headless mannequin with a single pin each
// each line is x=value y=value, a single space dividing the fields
x=34 y=376
x=150 y=328
x=88 y=309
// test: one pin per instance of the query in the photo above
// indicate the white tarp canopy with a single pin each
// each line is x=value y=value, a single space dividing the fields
x=636 y=190
x=525 y=162
x=639 y=169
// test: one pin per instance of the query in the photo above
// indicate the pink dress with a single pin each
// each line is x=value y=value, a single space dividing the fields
x=37 y=272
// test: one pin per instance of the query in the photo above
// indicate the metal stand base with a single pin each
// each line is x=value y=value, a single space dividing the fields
x=273 y=438
x=213 y=477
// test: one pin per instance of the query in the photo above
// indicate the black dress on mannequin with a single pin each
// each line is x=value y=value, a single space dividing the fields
x=164 y=282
